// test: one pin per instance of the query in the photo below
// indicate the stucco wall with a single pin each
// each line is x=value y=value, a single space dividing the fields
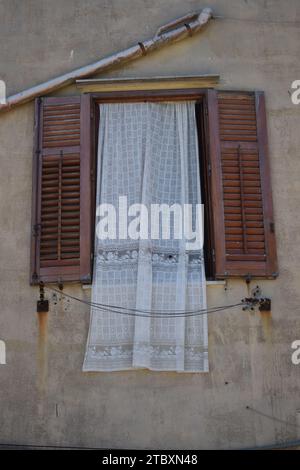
x=44 y=396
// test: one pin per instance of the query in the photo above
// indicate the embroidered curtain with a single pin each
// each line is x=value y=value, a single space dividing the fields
x=149 y=153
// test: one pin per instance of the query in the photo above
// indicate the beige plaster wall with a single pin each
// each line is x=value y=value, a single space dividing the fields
x=44 y=396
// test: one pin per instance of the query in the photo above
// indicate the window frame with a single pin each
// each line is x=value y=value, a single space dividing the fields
x=201 y=97
x=208 y=115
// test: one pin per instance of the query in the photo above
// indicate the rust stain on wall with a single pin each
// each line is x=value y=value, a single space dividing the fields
x=42 y=355
x=266 y=320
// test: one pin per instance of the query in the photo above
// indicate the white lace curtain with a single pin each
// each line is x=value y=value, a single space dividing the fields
x=149 y=153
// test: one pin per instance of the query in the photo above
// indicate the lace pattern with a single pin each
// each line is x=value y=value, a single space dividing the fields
x=163 y=357
x=170 y=257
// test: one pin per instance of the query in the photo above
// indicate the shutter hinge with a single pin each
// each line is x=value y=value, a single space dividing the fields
x=92 y=176
x=209 y=169
x=86 y=279
x=272 y=227
x=36 y=229
x=42 y=304
x=213 y=255
x=34 y=277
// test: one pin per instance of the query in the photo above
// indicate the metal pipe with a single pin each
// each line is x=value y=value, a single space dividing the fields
x=132 y=53
x=182 y=20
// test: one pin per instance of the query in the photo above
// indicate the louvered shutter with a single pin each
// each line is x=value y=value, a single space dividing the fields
x=244 y=239
x=61 y=232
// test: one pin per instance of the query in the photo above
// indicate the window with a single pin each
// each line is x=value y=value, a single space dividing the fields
x=239 y=233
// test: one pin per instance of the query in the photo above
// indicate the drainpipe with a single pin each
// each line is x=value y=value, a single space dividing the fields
x=172 y=32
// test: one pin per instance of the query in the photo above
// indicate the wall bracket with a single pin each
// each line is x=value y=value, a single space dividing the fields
x=42 y=303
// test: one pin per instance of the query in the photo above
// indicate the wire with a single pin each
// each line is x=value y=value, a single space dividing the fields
x=246 y=20
x=34 y=446
x=265 y=415
x=126 y=308
x=164 y=315
x=282 y=445
x=137 y=312
x=146 y=313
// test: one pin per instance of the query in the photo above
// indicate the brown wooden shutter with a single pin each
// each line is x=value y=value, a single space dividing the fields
x=244 y=239
x=61 y=232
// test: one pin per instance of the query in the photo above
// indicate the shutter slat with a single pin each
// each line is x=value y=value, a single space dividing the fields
x=61 y=125
x=53 y=193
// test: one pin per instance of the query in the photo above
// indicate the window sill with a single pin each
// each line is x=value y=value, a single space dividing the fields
x=216 y=283
x=208 y=283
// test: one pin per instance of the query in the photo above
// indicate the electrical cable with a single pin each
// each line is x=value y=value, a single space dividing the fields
x=146 y=313
x=265 y=415
x=128 y=311
x=162 y=315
